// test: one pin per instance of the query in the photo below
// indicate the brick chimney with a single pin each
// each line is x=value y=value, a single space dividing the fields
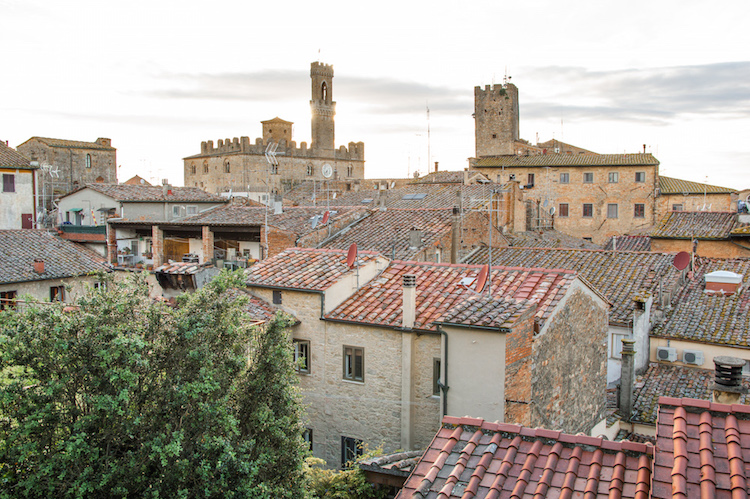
x=723 y=282
x=38 y=265
x=409 y=307
x=627 y=378
x=455 y=233
x=727 y=386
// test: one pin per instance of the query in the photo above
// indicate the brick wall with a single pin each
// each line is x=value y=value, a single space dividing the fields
x=518 y=365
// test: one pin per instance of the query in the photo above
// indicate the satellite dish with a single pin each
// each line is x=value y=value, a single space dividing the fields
x=545 y=203
x=681 y=260
x=326 y=170
x=351 y=256
x=393 y=184
x=326 y=216
x=315 y=221
x=482 y=278
x=334 y=195
x=552 y=210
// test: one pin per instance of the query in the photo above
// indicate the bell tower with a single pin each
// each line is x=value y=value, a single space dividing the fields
x=323 y=108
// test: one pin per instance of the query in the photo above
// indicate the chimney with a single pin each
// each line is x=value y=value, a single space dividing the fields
x=164 y=187
x=38 y=265
x=722 y=282
x=727 y=386
x=415 y=238
x=455 y=233
x=409 y=306
x=627 y=378
x=644 y=148
x=466 y=176
x=436 y=166
x=278 y=208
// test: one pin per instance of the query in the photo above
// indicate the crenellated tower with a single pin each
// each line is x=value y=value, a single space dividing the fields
x=323 y=108
x=496 y=119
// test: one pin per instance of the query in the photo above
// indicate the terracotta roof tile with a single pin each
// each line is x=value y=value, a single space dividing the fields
x=304 y=269
x=711 y=318
x=669 y=185
x=491 y=460
x=10 y=158
x=542 y=160
x=129 y=193
x=19 y=248
x=628 y=243
x=619 y=276
x=695 y=224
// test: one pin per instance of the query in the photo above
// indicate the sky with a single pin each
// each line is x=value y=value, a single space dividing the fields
x=158 y=77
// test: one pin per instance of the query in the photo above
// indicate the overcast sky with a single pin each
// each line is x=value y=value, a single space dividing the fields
x=160 y=77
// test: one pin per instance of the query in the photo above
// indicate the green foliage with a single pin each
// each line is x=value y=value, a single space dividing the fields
x=127 y=397
x=345 y=484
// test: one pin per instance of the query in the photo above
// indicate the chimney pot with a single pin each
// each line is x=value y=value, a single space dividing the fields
x=727 y=384
x=39 y=266
x=409 y=307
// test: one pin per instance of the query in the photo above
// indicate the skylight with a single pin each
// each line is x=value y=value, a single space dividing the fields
x=416 y=197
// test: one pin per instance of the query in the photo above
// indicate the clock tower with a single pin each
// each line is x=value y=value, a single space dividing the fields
x=323 y=108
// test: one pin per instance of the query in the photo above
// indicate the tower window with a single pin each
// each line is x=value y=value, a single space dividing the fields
x=309 y=170
x=192 y=168
x=226 y=166
x=494 y=135
x=324 y=92
x=205 y=167
x=88 y=161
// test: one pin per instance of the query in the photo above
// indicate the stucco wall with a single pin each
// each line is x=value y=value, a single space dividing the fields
x=20 y=202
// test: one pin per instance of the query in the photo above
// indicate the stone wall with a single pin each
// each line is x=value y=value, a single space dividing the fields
x=695 y=202
x=569 y=370
x=496 y=119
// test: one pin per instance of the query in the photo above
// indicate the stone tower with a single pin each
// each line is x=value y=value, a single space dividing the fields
x=496 y=119
x=323 y=107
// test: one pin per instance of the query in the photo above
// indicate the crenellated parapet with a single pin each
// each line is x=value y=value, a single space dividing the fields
x=242 y=145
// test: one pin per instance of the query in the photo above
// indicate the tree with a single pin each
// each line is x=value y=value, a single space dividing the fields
x=123 y=396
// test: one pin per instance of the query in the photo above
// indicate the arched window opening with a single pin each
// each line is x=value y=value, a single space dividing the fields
x=192 y=169
x=88 y=161
x=324 y=92
x=226 y=166
x=309 y=170
x=205 y=167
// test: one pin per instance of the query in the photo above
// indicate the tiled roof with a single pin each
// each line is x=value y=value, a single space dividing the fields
x=487 y=311
x=704 y=450
x=743 y=230
x=10 y=158
x=619 y=276
x=566 y=160
x=71 y=143
x=303 y=268
x=548 y=238
x=19 y=248
x=399 y=464
x=148 y=193
x=669 y=185
x=297 y=220
x=629 y=243
x=666 y=380
x=256 y=308
x=710 y=318
x=695 y=224
x=473 y=458
x=441 y=177
x=435 y=196
x=387 y=232
x=182 y=268
x=440 y=294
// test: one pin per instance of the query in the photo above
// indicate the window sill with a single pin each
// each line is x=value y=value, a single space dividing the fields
x=353 y=381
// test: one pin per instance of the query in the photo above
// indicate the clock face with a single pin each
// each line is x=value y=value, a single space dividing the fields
x=327 y=171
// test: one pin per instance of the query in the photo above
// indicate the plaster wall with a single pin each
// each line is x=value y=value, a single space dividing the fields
x=20 y=202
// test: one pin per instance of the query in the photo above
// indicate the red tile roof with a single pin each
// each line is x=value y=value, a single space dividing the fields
x=10 y=158
x=695 y=224
x=440 y=294
x=669 y=185
x=304 y=269
x=473 y=458
x=567 y=160
x=628 y=243
x=129 y=193
x=387 y=232
x=703 y=450
x=620 y=276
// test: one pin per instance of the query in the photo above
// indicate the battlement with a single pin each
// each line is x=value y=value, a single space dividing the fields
x=498 y=88
x=321 y=69
x=242 y=145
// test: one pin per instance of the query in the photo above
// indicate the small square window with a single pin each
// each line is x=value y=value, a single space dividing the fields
x=616 y=347
x=57 y=293
x=612 y=210
x=589 y=239
x=588 y=178
x=530 y=182
x=302 y=356
x=9 y=182
x=354 y=363
x=613 y=177
x=192 y=210
x=276 y=297
x=640 y=177
x=351 y=449
x=639 y=210
x=8 y=299
x=436 y=373
x=565 y=178
x=563 y=210
x=588 y=210
x=677 y=207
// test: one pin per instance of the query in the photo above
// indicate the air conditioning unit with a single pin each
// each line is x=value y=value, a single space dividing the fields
x=666 y=354
x=694 y=357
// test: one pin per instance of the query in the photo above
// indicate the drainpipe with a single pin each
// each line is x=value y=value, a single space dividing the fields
x=443 y=384
x=627 y=378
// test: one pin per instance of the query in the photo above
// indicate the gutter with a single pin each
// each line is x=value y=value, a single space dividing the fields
x=444 y=385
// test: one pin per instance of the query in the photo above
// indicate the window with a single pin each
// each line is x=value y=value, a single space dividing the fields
x=302 y=356
x=8 y=299
x=612 y=210
x=354 y=364
x=88 y=161
x=276 y=297
x=226 y=167
x=324 y=91
x=512 y=176
x=100 y=286
x=640 y=177
x=588 y=210
x=614 y=177
x=349 y=171
x=351 y=449
x=639 y=210
x=57 y=293
x=530 y=182
x=589 y=239
x=310 y=170
x=588 y=178
x=307 y=436
x=178 y=211
x=565 y=178
x=616 y=347
x=274 y=169
x=205 y=167
x=9 y=182
x=677 y=207
x=192 y=169
x=563 y=210
x=192 y=210
x=436 y=376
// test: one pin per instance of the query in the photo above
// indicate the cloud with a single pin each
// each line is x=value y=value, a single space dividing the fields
x=652 y=95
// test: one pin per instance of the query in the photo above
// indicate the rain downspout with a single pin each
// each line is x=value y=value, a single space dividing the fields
x=444 y=385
